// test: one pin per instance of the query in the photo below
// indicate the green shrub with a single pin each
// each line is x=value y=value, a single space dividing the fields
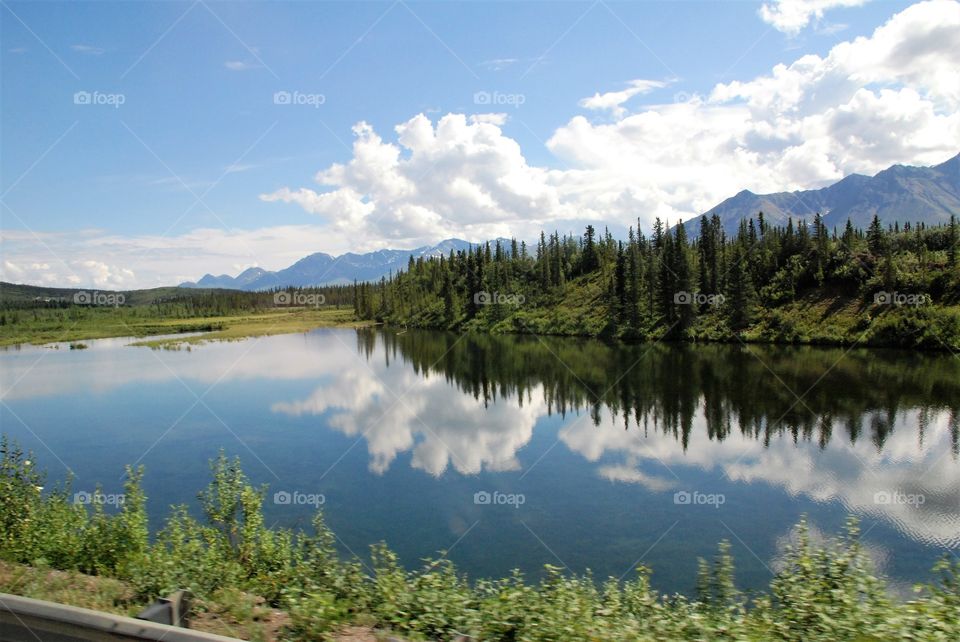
x=916 y=327
x=314 y=614
x=823 y=592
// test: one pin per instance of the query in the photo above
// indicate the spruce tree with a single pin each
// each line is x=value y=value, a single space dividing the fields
x=876 y=237
x=589 y=261
x=740 y=297
x=684 y=277
x=953 y=240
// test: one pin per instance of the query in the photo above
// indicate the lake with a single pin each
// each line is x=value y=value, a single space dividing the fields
x=519 y=451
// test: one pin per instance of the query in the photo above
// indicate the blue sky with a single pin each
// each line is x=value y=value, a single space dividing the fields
x=188 y=164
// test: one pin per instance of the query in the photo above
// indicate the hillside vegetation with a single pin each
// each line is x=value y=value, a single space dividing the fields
x=890 y=286
x=883 y=286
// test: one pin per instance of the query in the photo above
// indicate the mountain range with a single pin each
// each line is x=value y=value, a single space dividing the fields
x=899 y=193
x=322 y=269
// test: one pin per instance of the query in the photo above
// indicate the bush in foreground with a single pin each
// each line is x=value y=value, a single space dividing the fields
x=824 y=592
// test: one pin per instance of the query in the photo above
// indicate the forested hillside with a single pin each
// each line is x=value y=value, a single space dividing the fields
x=884 y=285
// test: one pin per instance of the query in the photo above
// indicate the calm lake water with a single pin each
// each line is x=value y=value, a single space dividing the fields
x=515 y=452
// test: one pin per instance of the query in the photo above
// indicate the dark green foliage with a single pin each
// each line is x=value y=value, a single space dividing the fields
x=953 y=242
x=876 y=238
x=754 y=286
x=669 y=286
x=740 y=297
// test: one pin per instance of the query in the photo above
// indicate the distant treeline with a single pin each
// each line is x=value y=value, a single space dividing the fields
x=794 y=283
x=20 y=304
x=663 y=284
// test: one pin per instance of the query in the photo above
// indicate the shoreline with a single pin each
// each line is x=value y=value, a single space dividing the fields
x=827 y=321
x=167 y=334
x=195 y=330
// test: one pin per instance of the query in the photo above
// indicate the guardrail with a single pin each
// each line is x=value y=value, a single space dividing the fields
x=23 y=619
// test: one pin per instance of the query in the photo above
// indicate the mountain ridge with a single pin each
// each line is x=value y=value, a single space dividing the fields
x=321 y=268
x=898 y=193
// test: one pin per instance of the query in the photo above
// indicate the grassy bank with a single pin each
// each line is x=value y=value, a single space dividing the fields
x=228 y=611
x=236 y=564
x=39 y=315
x=285 y=322
x=80 y=324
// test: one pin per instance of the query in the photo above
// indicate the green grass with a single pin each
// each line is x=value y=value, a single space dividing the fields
x=286 y=322
x=76 y=325
x=227 y=611
x=68 y=587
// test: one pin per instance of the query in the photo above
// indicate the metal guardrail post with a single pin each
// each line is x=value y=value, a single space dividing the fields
x=23 y=619
x=173 y=610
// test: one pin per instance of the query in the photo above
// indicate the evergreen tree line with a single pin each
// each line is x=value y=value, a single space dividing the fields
x=663 y=281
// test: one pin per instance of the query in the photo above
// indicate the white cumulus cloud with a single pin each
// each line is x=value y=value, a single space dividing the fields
x=790 y=16
x=460 y=176
x=92 y=258
x=891 y=97
x=613 y=100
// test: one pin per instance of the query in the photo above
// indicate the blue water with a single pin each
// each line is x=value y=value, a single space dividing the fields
x=398 y=454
